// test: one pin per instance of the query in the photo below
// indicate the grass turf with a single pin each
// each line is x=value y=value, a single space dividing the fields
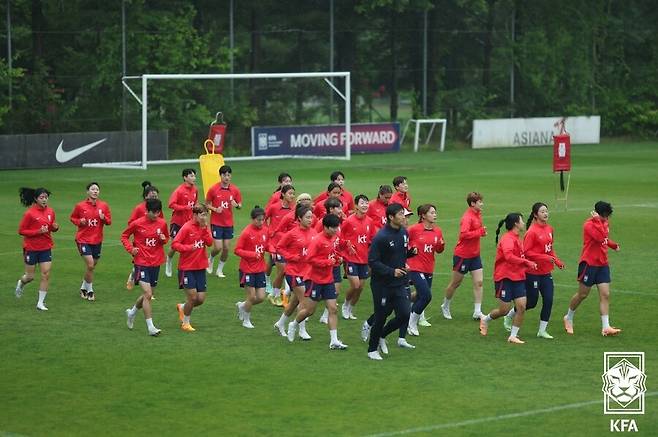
x=77 y=369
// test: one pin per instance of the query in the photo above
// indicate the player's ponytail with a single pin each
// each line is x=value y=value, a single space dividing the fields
x=510 y=220
x=534 y=212
x=28 y=196
x=148 y=189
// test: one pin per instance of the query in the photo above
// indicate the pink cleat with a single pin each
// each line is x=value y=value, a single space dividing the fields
x=568 y=325
x=515 y=340
x=610 y=331
x=484 y=327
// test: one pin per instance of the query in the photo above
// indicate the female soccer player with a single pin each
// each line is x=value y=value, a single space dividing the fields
x=401 y=194
x=221 y=199
x=273 y=215
x=509 y=276
x=181 y=201
x=322 y=258
x=377 y=208
x=427 y=238
x=337 y=177
x=251 y=250
x=333 y=191
x=294 y=248
x=90 y=216
x=36 y=227
x=191 y=241
x=466 y=256
x=283 y=179
x=149 y=235
x=593 y=268
x=538 y=247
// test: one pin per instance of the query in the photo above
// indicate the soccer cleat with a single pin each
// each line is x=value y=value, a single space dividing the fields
x=292 y=328
x=83 y=293
x=130 y=282
x=610 y=331
x=210 y=264
x=413 y=330
x=90 y=296
x=324 y=319
x=240 y=311
x=402 y=342
x=352 y=316
x=507 y=323
x=181 y=314
x=284 y=299
x=220 y=274
x=42 y=307
x=281 y=329
x=515 y=340
x=375 y=356
x=303 y=334
x=383 y=346
x=423 y=322
x=345 y=312
x=445 y=310
x=187 y=327
x=130 y=318
x=247 y=324
x=568 y=325
x=544 y=334
x=278 y=301
x=19 y=289
x=271 y=300
x=365 y=331
x=484 y=327
x=155 y=332
x=339 y=345
x=477 y=315
x=168 y=264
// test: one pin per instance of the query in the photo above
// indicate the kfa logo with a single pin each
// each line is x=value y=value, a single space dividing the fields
x=623 y=383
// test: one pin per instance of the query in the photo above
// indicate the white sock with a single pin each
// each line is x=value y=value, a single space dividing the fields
x=302 y=325
x=149 y=324
x=422 y=316
x=446 y=302
x=542 y=326
x=282 y=320
x=515 y=331
x=487 y=319
x=83 y=286
x=325 y=314
x=477 y=308
x=605 y=321
x=413 y=319
x=186 y=319
x=241 y=306
x=511 y=313
x=333 y=333
x=220 y=266
x=42 y=296
x=570 y=314
x=295 y=323
x=247 y=316
x=90 y=287
x=133 y=310
x=21 y=284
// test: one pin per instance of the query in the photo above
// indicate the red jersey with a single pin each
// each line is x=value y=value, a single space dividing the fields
x=274 y=214
x=221 y=197
x=182 y=201
x=470 y=232
x=510 y=262
x=538 y=246
x=427 y=242
x=275 y=197
x=251 y=249
x=359 y=232
x=401 y=198
x=30 y=228
x=377 y=212
x=91 y=232
x=596 y=242
x=148 y=239
x=294 y=248
x=322 y=258
x=140 y=211
x=345 y=197
x=191 y=242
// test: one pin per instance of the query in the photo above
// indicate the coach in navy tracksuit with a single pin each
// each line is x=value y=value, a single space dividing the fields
x=387 y=258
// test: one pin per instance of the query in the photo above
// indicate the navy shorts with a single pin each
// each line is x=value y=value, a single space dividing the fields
x=360 y=270
x=192 y=279
x=173 y=230
x=338 y=277
x=32 y=257
x=255 y=280
x=591 y=275
x=146 y=274
x=296 y=281
x=536 y=283
x=93 y=250
x=221 y=232
x=415 y=279
x=319 y=292
x=507 y=290
x=465 y=265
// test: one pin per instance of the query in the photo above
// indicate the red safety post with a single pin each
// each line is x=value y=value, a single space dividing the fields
x=217 y=133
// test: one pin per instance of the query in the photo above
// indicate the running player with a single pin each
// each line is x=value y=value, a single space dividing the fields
x=466 y=256
x=593 y=268
x=509 y=276
x=251 y=250
x=149 y=235
x=337 y=177
x=377 y=208
x=90 y=216
x=221 y=199
x=322 y=258
x=273 y=216
x=283 y=179
x=427 y=238
x=191 y=241
x=181 y=201
x=333 y=192
x=401 y=194
x=36 y=227
x=538 y=247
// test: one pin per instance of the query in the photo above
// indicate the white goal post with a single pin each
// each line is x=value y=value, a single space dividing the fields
x=431 y=121
x=145 y=78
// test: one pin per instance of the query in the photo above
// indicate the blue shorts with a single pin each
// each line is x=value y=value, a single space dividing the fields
x=32 y=257
x=146 y=274
x=360 y=270
x=415 y=279
x=296 y=281
x=591 y=275
x=338 y=277
x=536 y=283
x=221 y=232
x=507 y=290
x=255 y=280
x=192 y=279
x=173 y=230
x=465 y=265
x=319 y=292
x=93 y=250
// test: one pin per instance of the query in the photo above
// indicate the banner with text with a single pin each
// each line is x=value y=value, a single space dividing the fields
x=520 y=132
x=324 y=139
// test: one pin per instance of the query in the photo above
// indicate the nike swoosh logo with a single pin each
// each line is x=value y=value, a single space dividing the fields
x=65 y=156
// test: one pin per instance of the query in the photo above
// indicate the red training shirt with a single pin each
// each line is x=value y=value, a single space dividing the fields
x=596 y=242
x=92 y=231
x=377 y=212
x=359 y=232
x=294 y=248
x=191 y=242
x=510 y=262
x=30 y=228
x=345 y=197
x=273 y=215
x=221 y=197
x=427 y=242
x=149 y=237
x=538 y=246
x=140 y=211
x=182 y=201
x=470 y=232
x=401 y=198
x=322 y=258
x=251 y=249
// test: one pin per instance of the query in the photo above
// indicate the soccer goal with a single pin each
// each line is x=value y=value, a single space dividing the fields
x=183 y=104
x=432 y=122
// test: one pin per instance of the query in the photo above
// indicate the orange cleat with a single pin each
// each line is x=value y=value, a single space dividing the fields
x=187 y=327
x=515 y=340
x=181 y=314
x=568 y=325
x=610 y=331
x=484 y=328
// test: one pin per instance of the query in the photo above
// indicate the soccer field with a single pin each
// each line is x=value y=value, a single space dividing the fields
x=77 y=369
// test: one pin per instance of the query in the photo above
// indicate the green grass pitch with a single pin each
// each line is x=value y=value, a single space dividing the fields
x=77 y=369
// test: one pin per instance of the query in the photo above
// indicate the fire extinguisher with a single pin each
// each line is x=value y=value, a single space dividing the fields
x=217 y=133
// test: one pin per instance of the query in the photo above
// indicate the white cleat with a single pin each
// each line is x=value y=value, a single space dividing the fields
x=291 y=332
x=445 y=310
x=477 y=315
x=383 y=346
x=339 y=345
x=220 y=274
x=352 y=316
x=130 y=318
x=375 y=356
x=240 y=311
x=365 y=331
x=402 y=342
x=42 y=307
x=247 y=324
x=168 y=264
x=210 y=264
x=303 y=334
x=411 y=330
x=154 y=332
x=324 y=319
x=19 y=289
x=281 y=329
